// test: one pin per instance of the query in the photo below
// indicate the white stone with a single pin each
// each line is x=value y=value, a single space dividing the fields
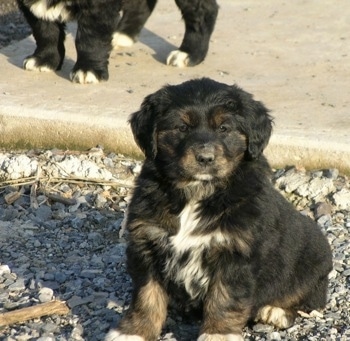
x=45 y=295
x=342 y=199
x=4 y=269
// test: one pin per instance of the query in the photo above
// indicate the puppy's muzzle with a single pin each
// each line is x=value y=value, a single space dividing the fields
x=205 y=155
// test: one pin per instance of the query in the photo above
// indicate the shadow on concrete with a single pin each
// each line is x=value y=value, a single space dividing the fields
x=158 y=44
x=18 y=51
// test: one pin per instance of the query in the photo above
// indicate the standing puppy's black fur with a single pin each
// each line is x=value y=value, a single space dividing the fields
x=207 y=228
x=99 y=29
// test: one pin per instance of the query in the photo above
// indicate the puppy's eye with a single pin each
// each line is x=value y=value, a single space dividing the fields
x=183 y=128
x=233 y=105
x=223 y=129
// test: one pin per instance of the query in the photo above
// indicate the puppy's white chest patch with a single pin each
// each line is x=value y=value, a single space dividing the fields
x=188 y=223
x=185 y=263
x=57 y=12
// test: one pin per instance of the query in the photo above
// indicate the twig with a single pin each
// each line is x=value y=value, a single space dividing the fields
x=61 y=199
x=22 y=182
x=73 y=180
x=24 y=314
x=33 y=200
x=11 y=197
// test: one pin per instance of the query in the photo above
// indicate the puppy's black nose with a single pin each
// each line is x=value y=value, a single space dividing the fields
x=205 y=158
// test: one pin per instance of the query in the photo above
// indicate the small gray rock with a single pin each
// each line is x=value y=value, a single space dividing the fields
x=275 y=336
x=262 y=328
x=45 y=295
x=90 y=273
x=322 y=208
x=325 y=220
x=18 y=285
x=331 y=173
x=43 y=213
x=77 y=301
x=9 y=214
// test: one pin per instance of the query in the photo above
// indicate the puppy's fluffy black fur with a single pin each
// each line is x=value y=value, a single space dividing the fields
x=99 y=29
x=206 y=226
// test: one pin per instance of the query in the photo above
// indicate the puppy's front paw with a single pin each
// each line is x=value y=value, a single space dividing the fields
x=178 y=58
x=220 y=337
x=34 y=64
x=116 y=335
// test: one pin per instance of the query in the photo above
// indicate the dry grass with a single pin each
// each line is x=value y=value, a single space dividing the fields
x=281 y=156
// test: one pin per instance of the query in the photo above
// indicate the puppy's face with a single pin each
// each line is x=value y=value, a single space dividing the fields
x=199 y=142
x=200 y=130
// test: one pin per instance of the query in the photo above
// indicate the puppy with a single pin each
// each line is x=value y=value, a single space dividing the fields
x=99 y=29
x=206 y=226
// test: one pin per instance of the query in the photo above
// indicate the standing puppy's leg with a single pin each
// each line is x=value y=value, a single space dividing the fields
x=96 y=25
x=135 y=15
x=200 y=17
x=49 y=37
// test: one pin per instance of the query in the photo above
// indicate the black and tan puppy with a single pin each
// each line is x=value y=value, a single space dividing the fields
x=99 y=29
x=206 y=226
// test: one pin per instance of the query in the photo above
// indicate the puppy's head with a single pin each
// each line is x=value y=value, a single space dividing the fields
x=201 y=129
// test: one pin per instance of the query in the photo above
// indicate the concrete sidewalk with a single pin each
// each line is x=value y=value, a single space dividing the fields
x=293 y=56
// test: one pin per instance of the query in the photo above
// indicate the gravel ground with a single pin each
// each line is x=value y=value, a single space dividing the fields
x=12 y=24
x=61 y=238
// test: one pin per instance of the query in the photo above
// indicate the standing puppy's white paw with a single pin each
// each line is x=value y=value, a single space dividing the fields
x=31 y=64
x=83 y=77
x=121 y=40
x=115 y=335
x=178 y=58
x=220 y=337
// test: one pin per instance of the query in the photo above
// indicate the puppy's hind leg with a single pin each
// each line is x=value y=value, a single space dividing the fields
x=279 y=317
x=304 y=300
x=135 y=15
x=317 y=297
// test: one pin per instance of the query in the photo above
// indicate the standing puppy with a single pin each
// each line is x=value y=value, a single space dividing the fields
x=206 y=226
x=99 y=29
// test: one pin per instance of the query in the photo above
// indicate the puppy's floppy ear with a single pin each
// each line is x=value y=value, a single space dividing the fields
x=260 y=130
x=143 y=127
x=256 y=124
x=144 y=122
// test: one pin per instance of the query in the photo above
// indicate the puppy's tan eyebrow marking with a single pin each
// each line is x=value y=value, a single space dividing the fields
x=189 y=117
x=219 y=116
x=185 y=117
